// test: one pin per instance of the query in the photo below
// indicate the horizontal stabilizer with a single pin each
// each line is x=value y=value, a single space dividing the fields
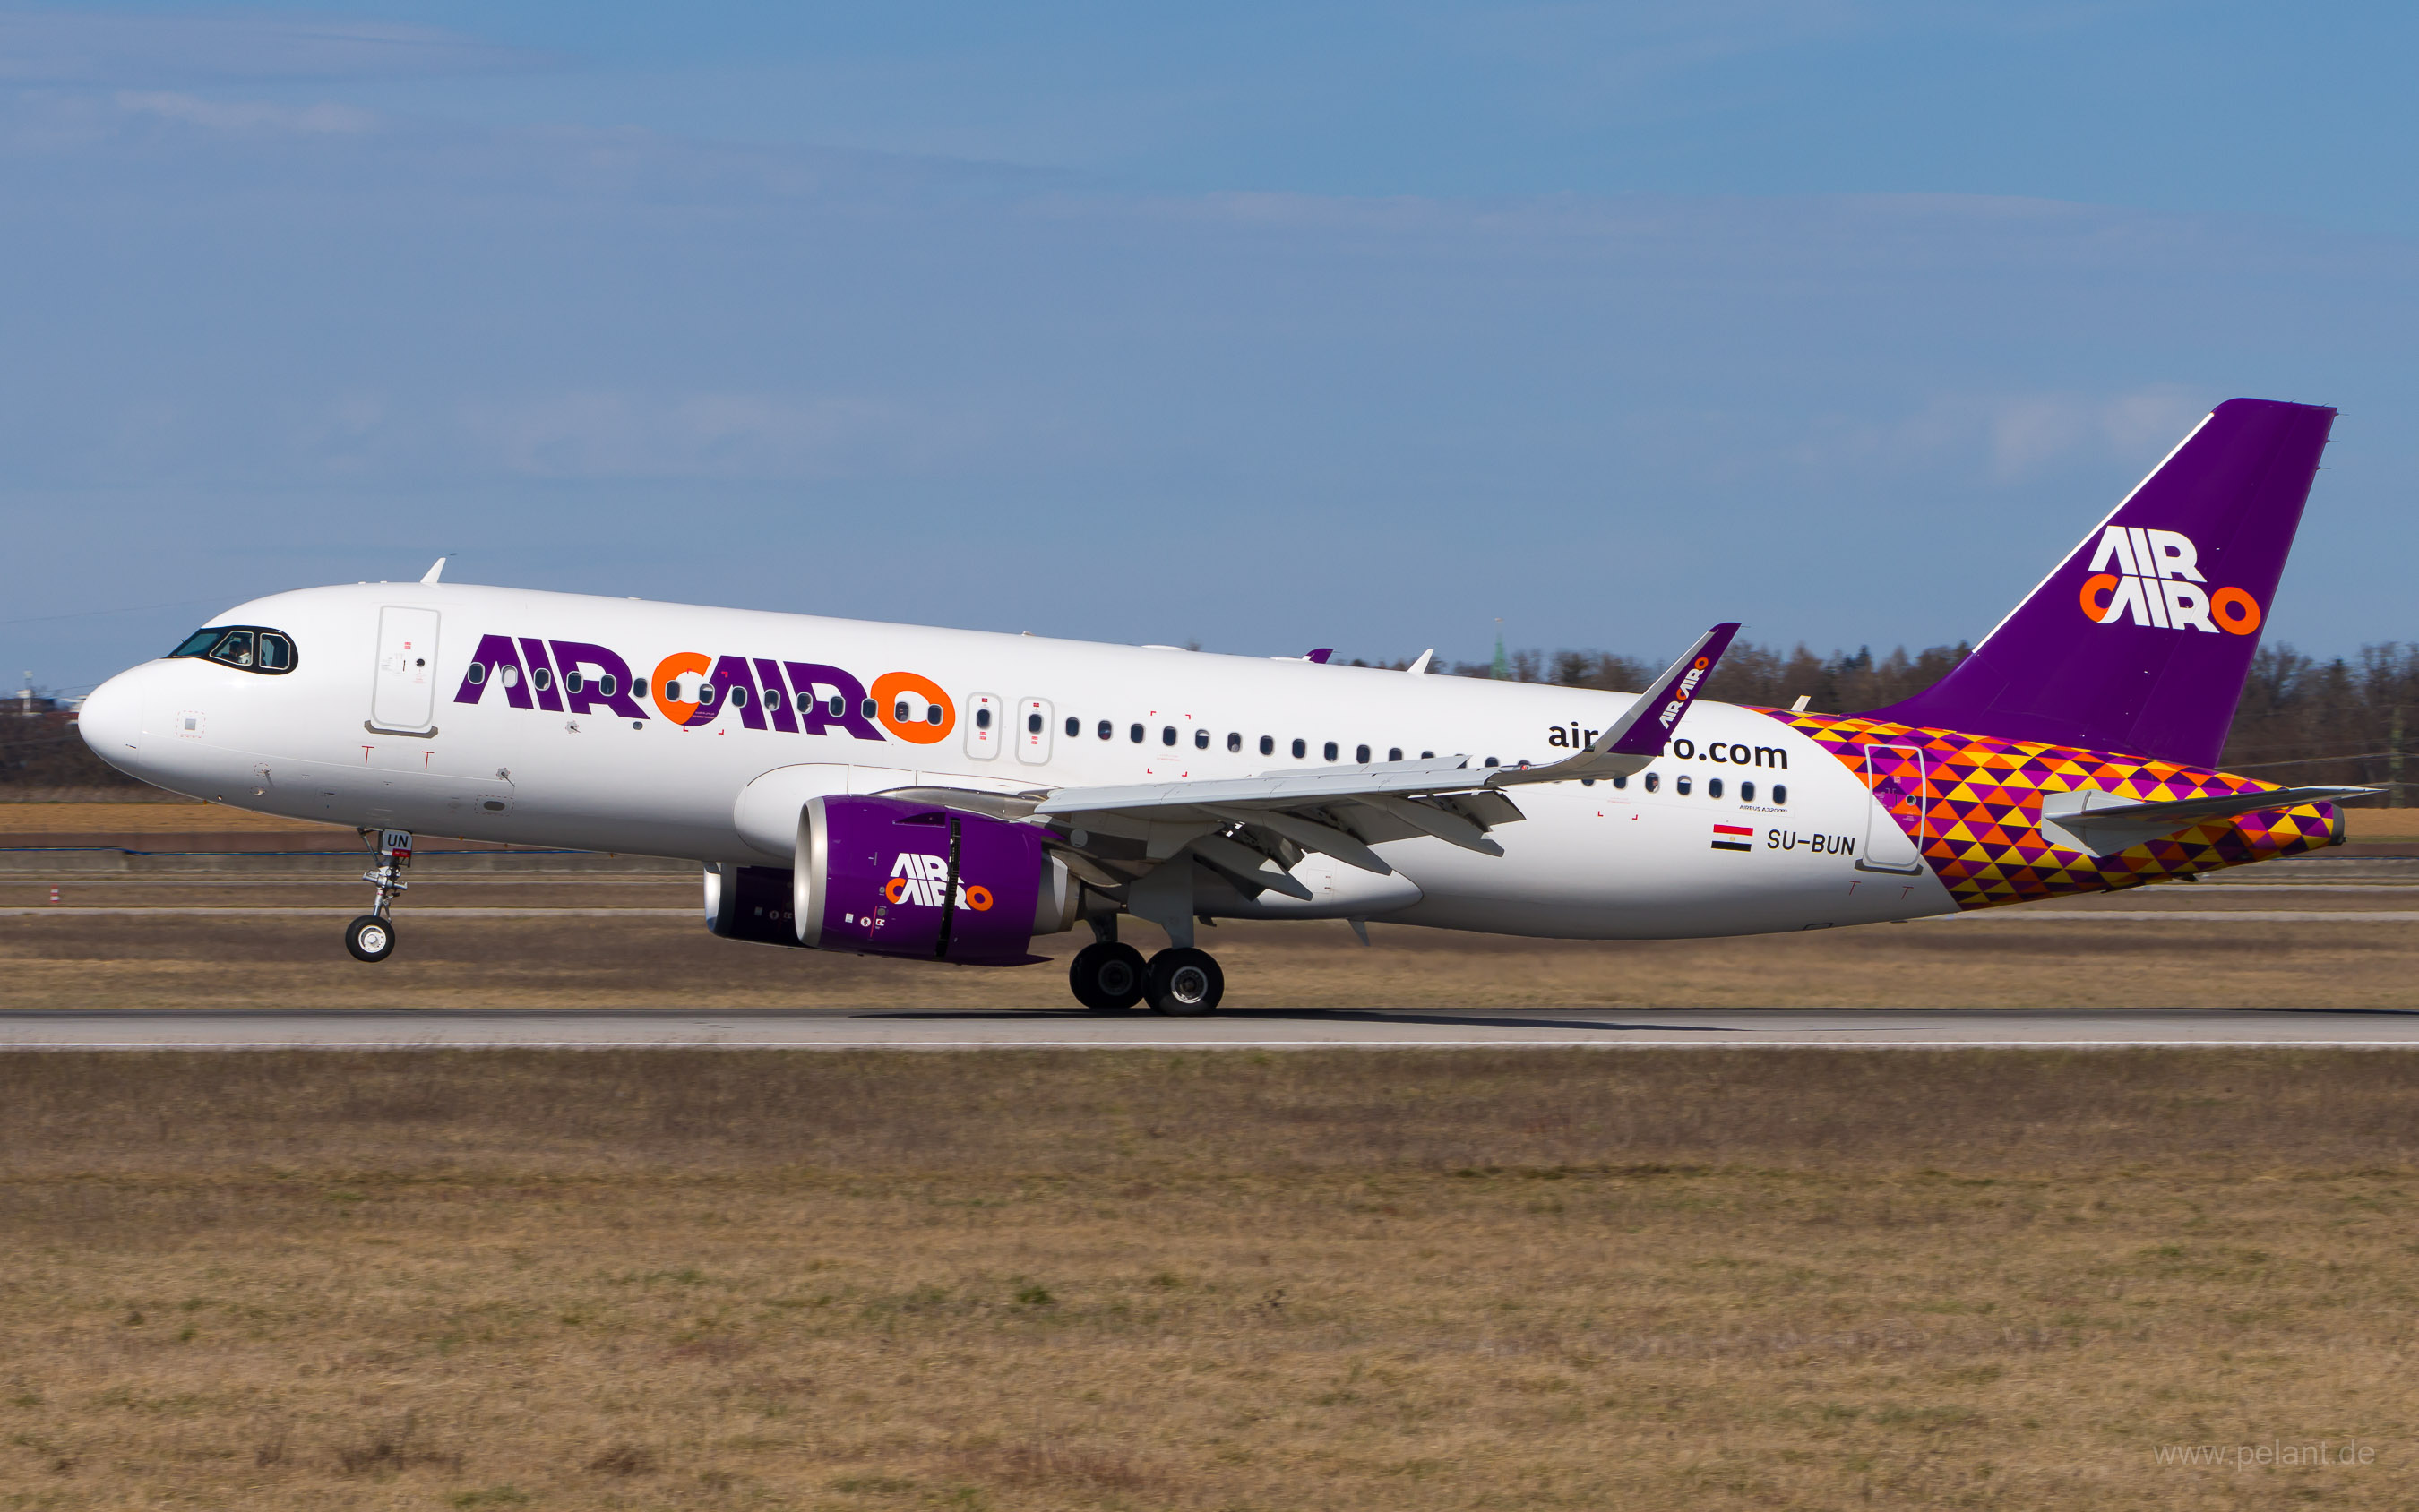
x=2102 y=824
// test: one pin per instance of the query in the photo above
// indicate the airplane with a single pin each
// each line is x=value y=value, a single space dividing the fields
x=953 y=796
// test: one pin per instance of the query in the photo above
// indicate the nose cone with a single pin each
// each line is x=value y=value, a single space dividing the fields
x=110 y=720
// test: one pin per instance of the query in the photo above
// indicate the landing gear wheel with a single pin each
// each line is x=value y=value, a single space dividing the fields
x=1107 y=978
x=370 y=937
x=1185 y=983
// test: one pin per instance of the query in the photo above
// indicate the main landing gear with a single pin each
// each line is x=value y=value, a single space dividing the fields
x=1109 y=978
x=371 y=937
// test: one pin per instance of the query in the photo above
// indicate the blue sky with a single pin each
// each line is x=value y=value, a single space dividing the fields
x=1266 y=326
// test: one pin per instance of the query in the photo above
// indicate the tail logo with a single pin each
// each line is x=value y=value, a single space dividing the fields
x=2156 y=581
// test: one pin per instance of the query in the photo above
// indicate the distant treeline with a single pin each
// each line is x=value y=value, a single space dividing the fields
x=2300 y=720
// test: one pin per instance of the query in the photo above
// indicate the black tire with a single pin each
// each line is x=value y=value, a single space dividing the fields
x=1185 y=983
x=1107 y=979
x=370 y=937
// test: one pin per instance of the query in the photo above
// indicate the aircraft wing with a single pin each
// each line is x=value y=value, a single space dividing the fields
x=1242 y=825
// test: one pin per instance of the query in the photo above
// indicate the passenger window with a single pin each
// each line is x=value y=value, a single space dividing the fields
x=572 y=681
x=477 y=672
x=932 y=714
x=510 y=676
x=671 y=689
x=1654 y=780
x=1493 y=761
x=1267 y=745
x=1781 y=793
x=639 y=687
x=1394 y=753
x=739 y=701
x=840 y=706
x=1168 y=735
x=1033 y=723
x=1201 y=739
x=1301 y=747
x=1234 y=740
x=1074 y=726
x=1133 y=733
x=1713 y=787
x=982 y=718
x=1621 y=780
x=1328 y=750
x=807 y=702
x=1746 y=793
x=1360 y=755
x=542 y=678
x=1680 y=784
x=864 y=709
x=1427 y=755
x=1107 y=730
x=897 y=710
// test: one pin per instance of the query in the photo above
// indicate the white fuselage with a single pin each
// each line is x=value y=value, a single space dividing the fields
x=355 y=733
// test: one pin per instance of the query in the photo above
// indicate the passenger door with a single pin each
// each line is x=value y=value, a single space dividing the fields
x=1034 y=718
x=1896 y=825
x=403 y=697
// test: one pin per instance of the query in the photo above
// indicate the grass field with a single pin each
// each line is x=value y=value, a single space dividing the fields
x=1449 y=1280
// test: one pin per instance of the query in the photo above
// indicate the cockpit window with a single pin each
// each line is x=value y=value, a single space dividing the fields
x=248 y=647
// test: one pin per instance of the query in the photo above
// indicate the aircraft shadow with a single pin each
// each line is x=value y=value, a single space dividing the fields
x=1312 y=1016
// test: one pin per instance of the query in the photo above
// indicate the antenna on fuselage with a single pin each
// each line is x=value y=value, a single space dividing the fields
x=438 y=571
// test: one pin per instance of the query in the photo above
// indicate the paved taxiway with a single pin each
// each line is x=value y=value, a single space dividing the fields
x=1257 y=1028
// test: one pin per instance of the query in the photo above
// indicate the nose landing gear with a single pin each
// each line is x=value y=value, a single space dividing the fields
x=371 y=937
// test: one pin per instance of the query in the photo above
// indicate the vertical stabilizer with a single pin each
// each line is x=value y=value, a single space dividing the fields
x=2140 y=640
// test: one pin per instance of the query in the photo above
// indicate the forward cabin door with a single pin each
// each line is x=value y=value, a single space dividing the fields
x=1033 y=731
x=1897 y=825
x=403 y=698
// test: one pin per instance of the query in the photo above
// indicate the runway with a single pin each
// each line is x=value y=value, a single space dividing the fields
x=1251 y=1030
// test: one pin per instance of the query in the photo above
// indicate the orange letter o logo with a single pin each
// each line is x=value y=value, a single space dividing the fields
x=978 y=898
x=885 y=692
x=2236 y=611
x=682 y=711
x=2093 y=586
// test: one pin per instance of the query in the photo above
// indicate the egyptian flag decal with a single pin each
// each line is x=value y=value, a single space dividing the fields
x=1734 y=838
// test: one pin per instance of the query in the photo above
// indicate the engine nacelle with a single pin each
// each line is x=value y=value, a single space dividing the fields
x=885 y=876
x=750 y=903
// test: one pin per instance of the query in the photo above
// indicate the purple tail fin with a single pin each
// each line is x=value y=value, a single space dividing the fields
x=2139 y=641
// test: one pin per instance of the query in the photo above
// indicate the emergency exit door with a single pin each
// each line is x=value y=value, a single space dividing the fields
x=403 y=697
x=1033 y=731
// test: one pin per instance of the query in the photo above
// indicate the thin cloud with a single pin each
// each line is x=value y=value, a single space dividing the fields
x=323 y=119
x=59 y=47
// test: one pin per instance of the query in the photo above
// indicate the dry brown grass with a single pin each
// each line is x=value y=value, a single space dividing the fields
x=112 y=962
x=1741 y=1279
x=163 y=814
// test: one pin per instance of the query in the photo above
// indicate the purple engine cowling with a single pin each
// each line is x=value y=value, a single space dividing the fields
x=885 y=876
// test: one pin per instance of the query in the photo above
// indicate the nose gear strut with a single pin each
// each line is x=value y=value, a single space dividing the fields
x=371 y=937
